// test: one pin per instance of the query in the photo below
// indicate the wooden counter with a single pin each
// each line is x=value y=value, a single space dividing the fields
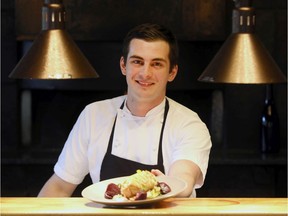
x=173 y=206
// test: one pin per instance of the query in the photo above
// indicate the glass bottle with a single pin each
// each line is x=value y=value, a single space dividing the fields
x=270 y=135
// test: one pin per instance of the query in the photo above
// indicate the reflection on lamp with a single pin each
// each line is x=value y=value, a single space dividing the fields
x=243 y=59
x=53 y=55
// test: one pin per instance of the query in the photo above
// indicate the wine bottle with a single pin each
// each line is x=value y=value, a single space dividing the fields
x=270 y=135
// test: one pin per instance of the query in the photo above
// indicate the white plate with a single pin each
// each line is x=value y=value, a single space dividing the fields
x=95 y=192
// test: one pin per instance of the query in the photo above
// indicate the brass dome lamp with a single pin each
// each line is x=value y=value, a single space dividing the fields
x=53 y=55
x=243 y=59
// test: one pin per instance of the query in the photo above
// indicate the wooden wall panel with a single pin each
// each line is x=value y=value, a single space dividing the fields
x=111 y=19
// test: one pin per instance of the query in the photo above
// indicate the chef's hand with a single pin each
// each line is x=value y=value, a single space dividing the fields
x=185 y=170
x=157 y=172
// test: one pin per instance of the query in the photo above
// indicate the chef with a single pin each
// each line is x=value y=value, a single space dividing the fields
x=143 y=129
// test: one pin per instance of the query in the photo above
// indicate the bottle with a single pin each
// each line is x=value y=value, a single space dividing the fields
x=270 y=134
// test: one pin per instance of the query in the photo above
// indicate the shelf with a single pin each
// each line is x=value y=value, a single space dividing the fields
x=47 y=157
x=247 y=158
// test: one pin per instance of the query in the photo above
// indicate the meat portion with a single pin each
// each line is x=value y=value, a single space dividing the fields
x=112 y=190
x=164 y=188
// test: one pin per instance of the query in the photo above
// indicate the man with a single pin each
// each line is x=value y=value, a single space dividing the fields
x=141 y=130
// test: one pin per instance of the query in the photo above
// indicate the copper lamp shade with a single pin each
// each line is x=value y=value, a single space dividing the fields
x=243 y=59
x=53 y=55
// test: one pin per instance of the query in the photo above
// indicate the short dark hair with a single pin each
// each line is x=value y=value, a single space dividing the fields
x=152 y=32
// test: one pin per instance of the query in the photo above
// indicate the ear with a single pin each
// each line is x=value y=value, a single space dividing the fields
x=122 y=65
x=173 y=73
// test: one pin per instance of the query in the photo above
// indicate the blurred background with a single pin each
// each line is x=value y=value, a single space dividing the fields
x=37 y=115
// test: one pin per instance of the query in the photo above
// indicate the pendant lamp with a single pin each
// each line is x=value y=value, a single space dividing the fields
x=53 y=55
x=243 y=59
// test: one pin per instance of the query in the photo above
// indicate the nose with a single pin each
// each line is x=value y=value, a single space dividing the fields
x=146 y=71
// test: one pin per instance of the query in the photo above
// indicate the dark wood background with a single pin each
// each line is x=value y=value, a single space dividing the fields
x=37 y=115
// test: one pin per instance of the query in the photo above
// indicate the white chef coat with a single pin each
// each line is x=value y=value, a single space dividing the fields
x=135 y=138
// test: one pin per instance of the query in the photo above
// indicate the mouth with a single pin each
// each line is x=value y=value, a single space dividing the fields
x=144 y=84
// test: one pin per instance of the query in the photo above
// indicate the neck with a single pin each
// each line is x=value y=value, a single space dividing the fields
x=141 y=108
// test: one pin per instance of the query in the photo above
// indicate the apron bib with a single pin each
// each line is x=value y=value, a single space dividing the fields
x=113 y=166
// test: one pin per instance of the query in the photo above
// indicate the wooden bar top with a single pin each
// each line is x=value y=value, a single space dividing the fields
x=172 y=206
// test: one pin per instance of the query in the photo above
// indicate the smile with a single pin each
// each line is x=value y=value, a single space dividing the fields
x=144 y=83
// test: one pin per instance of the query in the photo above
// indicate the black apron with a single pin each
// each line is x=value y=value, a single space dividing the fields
x=113 y=166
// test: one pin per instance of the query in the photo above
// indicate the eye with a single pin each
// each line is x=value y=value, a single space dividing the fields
x=157 y=64
x=136 y=62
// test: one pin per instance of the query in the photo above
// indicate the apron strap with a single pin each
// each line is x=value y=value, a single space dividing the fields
x=109 y=149
x=160 y=154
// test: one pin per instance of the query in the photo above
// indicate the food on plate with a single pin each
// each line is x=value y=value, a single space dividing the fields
x=139 y=186
x=112 y=190
x=140 y=181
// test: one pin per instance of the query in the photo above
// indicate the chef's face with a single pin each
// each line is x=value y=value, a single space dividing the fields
x=147 y=69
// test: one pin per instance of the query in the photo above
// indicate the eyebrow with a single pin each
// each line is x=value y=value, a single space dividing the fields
x=155 y=59
x=135 y=56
